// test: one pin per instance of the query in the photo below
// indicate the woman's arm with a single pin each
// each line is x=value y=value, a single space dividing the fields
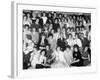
x=75 y=61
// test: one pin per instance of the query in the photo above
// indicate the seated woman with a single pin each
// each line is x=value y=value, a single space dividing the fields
x=34 y=58
x=86 y=56
x=51 y=41
x=77 y=58
x=48 y=54
x=70 y=40
x=35 y=35
x=42 y=60
x=25 y=21
x=68 y=55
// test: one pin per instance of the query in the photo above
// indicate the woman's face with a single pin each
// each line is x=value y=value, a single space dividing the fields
x=50 y=37
x=28 y=15
x=70 y=36
x=76 y=36
x=34 y=29
x=25 y=18
x=67 y=49
x=40 y=30
x=46 y=28
x=47 y=47
x=43 y=37
x=37 y=20
x=63 y=29
x=75 y=49
x=43 y=52
x=26 y=28
x=44 y=14
x=68 y=30
x=39 y=15
x=33 y=14
x=49 y=15
x=52 y=31
x=55 y=15
x=58 y=48
x=34 y=49
x=60 y=16
x=58 y=30
x=56 y=21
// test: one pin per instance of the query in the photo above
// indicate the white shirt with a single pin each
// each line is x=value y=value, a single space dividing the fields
x=35 y=58
x=70 y=42
x=56 y=36
x=78 y=42
x=44 y=20
x=68 y=56
x=41 y=59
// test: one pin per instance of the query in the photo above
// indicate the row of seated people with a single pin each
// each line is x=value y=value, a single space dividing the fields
x=58 y=42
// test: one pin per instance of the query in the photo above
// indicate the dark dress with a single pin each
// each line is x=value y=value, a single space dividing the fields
x=37 y=26
x=43 y=44
x=55 y=27
x=86 y=61
x=41 y=22
x=61 y=43
x=48 y=56
x=26 y=60
x=85 y=42
x=77 y=56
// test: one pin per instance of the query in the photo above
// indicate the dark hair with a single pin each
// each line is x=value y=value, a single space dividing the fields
x=57 y=47
x=68 y=46
x=25 y=16
x=43 y=50
x=76 y=46
x=26 y=25
x=89 y=27
x=69 y=34
x=50 y=35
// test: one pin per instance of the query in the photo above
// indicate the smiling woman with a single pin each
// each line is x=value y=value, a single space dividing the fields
x=52 y=38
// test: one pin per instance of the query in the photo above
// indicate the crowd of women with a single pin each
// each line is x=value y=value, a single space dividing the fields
x=56 y=39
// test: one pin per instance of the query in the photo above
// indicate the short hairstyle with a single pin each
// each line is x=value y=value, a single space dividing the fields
x=50 y=35
x=69 y=34
x=26 y=25
x=42 y=51
x=76 y=46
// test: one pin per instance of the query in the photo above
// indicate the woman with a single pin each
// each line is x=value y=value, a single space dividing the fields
x=70 y=40
x=42 y=60
x=56 y=35
x=86 y=56
x=34 y=58
x=59 y=59
x=56 y=25
x=77 y=58
x=52 y=42
x=44 y=18
x=68 y=55
x=35 y=36
x=26 y=33
x=50 y=27
x=42 y=42
x=29 y=18
x=26 y=21
x=46 y=30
